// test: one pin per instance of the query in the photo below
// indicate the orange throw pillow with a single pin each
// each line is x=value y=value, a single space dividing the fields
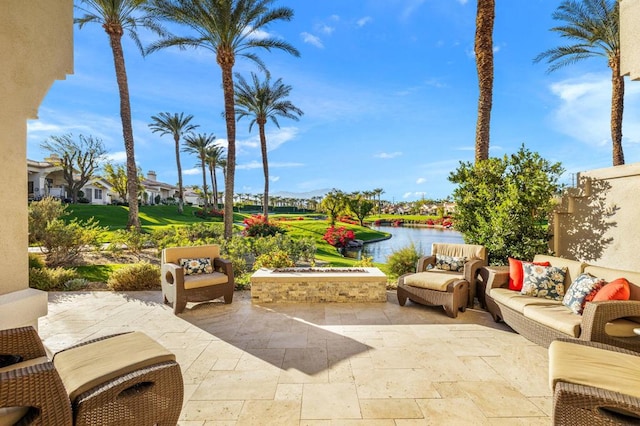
x=516 y=274
x=617 y=289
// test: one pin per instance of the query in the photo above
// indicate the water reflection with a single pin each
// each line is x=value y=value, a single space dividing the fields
x=402 y=236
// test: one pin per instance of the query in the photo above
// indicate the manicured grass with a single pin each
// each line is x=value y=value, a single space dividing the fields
x=98 y=273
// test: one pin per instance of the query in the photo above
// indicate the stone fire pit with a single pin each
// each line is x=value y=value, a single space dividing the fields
x=319 y=285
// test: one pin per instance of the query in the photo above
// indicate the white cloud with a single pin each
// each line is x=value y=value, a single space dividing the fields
x=192 y=172
x=313 y=40
x=258 y=165
x=326 y=29
x=411 y=7
x=407 y=194
x=421 y=180
x=584 y=109
x=388 y=154
x=117 y=157
x=274 y=178
x=463 y=2
x=275 y=138
x=363 y=21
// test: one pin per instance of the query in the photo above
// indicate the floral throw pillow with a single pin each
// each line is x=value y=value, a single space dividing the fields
x=198 y=265
x=543 y=281
x=581 y=291
x=450 y=263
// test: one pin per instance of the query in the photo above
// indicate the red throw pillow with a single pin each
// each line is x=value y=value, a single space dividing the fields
x=516 y=274
x=616 y=290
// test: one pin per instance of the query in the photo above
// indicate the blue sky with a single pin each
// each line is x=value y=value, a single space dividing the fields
x=389 y=94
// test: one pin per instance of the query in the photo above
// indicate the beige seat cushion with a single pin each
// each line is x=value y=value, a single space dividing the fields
x=558 y=317
x=470 y=251
x=90 y=365
x=516 y=301
x=11 y=415
x=204 y=280
x=589 y=366
x=432 y=280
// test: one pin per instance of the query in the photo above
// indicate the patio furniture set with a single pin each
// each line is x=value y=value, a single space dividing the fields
x=129 y=379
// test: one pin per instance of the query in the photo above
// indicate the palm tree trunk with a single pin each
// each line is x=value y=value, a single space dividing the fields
x=115 y=37
x=226 y=63
x=265 y=168
x=204 y=183
x=214 y=197
x=180 y=188
x=484 y=64
x=215 y=186
x=617 y=108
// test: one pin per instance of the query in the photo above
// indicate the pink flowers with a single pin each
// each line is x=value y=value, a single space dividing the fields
x=338 y=237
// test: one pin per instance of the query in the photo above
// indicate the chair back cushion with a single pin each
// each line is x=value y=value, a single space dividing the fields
x=470 y=251
x=173 y=254
x=610 y=274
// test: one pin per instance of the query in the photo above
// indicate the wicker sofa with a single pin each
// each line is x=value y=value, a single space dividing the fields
x=543 y=320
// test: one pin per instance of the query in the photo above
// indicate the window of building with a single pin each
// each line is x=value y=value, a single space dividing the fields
x=97 y=194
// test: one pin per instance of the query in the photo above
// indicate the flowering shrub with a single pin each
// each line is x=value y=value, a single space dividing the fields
x=208 y=213
x=338 y=237
x=276 y=259
x=258 y=226
x=348 y=219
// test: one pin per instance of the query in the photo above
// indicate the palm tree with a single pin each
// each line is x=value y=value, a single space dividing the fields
x=198 y=145
x=262 y=101
x=116 y=16
x=379 y=192
x=485 y=15
x=214 y=156
x=227 y=28
x=594 y=25
x=177 y=126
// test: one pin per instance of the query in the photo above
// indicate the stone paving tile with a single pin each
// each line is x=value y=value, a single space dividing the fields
x=324 y=364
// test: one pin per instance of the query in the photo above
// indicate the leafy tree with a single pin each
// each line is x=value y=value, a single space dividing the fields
x=116 y=176
x=199 y=145
x=227 y=28
x=176 y=126
x=359 y=206
x=333 y=203
x=116 y=16
x=262 y=101
x=595 y=27
x=485 y=17
x=79 y=159
x=504 y=203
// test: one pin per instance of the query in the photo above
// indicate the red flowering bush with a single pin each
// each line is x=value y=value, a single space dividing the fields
x=208 y=213
x=258 y=226
x=338 y=237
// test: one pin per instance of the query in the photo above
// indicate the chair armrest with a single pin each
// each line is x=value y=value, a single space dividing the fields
x=23 y=341
x=172 y=274
x=471 y=268
x=424 y=261
x=597 y=314
x=493 y=278
x=40 y=387
x=223 y=265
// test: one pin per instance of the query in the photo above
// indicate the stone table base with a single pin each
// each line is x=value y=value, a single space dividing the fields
x=339 y=286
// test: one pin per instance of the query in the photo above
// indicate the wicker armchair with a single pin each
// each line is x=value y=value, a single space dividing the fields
x=594 y=383
x=126 y=379
x=454 y=291
x=178 y=287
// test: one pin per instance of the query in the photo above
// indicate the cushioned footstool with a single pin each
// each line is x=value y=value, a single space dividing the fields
x=436 y=289
x=594 y=384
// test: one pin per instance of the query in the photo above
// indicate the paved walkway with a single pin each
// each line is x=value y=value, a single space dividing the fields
x=325 y=364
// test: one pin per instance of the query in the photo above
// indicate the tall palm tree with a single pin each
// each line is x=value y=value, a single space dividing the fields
x=379 y=192
x=215 y=154
x=594 y=26
x=116 y=16
x=198 y=144
x=485 y=16
x=262 y=101
x=176 y=125
x=227 y=28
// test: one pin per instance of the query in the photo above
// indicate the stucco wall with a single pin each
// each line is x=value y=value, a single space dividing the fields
x=36 y=43
x=599 y=222
x=629 y=36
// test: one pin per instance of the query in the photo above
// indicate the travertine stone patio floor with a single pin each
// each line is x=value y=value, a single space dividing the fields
x=325 y=364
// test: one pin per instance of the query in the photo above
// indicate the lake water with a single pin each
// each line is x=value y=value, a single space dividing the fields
x=402 y=236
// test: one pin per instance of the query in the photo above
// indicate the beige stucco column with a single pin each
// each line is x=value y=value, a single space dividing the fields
x=36 y=45
x=629 y=37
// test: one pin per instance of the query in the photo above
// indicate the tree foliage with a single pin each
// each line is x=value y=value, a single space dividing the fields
x=116 y=176
x=360 y=206
x=333 y=204
x=79 y=159
x=505 y=203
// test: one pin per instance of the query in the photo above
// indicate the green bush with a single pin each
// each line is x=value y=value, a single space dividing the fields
x=35 y=261
x=195 y=234
x=139 y=276
x=134 y=240
x=404 y=260
x=273 y=260
x=51 y=279
x=237 y=250
x=41 y=213
x=365 y=262
x=75 y=284
x=297 y=249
